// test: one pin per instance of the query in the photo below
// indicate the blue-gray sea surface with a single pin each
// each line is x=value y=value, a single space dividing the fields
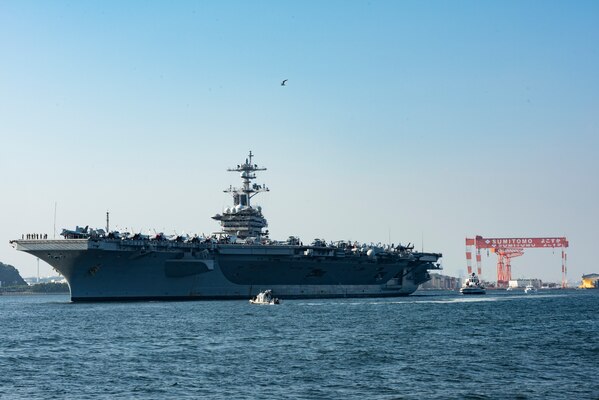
x=431 y=345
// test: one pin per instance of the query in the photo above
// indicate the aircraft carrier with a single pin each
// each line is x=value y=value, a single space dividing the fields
x=235 y=263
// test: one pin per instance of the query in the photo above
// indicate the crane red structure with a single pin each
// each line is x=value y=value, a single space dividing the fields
x=508 y=248
x=504 y=264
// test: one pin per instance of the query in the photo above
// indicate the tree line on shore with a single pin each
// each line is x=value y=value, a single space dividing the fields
x=12 y=282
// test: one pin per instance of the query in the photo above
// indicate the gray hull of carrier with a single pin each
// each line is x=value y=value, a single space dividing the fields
x=98 y=270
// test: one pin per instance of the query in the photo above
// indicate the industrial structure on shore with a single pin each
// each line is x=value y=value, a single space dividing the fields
x=508 y=248
x=442 y=282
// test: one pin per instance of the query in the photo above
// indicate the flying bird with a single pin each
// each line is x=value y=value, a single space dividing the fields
x=284 y=82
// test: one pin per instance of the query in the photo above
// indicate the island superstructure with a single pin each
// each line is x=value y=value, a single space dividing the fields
x=242 y=220
x=236 y=263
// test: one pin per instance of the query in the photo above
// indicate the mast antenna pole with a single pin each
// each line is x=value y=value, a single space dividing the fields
x=54 y=235
x=107 y=222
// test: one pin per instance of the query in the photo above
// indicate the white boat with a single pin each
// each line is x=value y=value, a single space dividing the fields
x=265 y=297
x=530 y=289
x=473 y=285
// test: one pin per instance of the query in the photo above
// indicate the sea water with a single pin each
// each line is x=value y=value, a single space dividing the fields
x=431 y=345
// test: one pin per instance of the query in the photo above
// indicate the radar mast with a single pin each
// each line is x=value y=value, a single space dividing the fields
x=242 y=196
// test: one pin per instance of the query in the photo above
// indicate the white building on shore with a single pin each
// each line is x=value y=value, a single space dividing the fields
x=522 y=283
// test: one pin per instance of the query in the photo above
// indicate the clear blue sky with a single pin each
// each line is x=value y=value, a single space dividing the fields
x=424 y=121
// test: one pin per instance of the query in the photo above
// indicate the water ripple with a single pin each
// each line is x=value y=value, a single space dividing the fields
x=435 y=346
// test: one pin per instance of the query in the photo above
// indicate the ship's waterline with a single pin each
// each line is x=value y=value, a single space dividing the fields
x=238 y=262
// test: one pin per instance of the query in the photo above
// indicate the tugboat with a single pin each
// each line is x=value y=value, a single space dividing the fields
x=265 y=297
x=473 y=286
x=530 y=289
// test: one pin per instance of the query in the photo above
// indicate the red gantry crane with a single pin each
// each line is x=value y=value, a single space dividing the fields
x=508 y=248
